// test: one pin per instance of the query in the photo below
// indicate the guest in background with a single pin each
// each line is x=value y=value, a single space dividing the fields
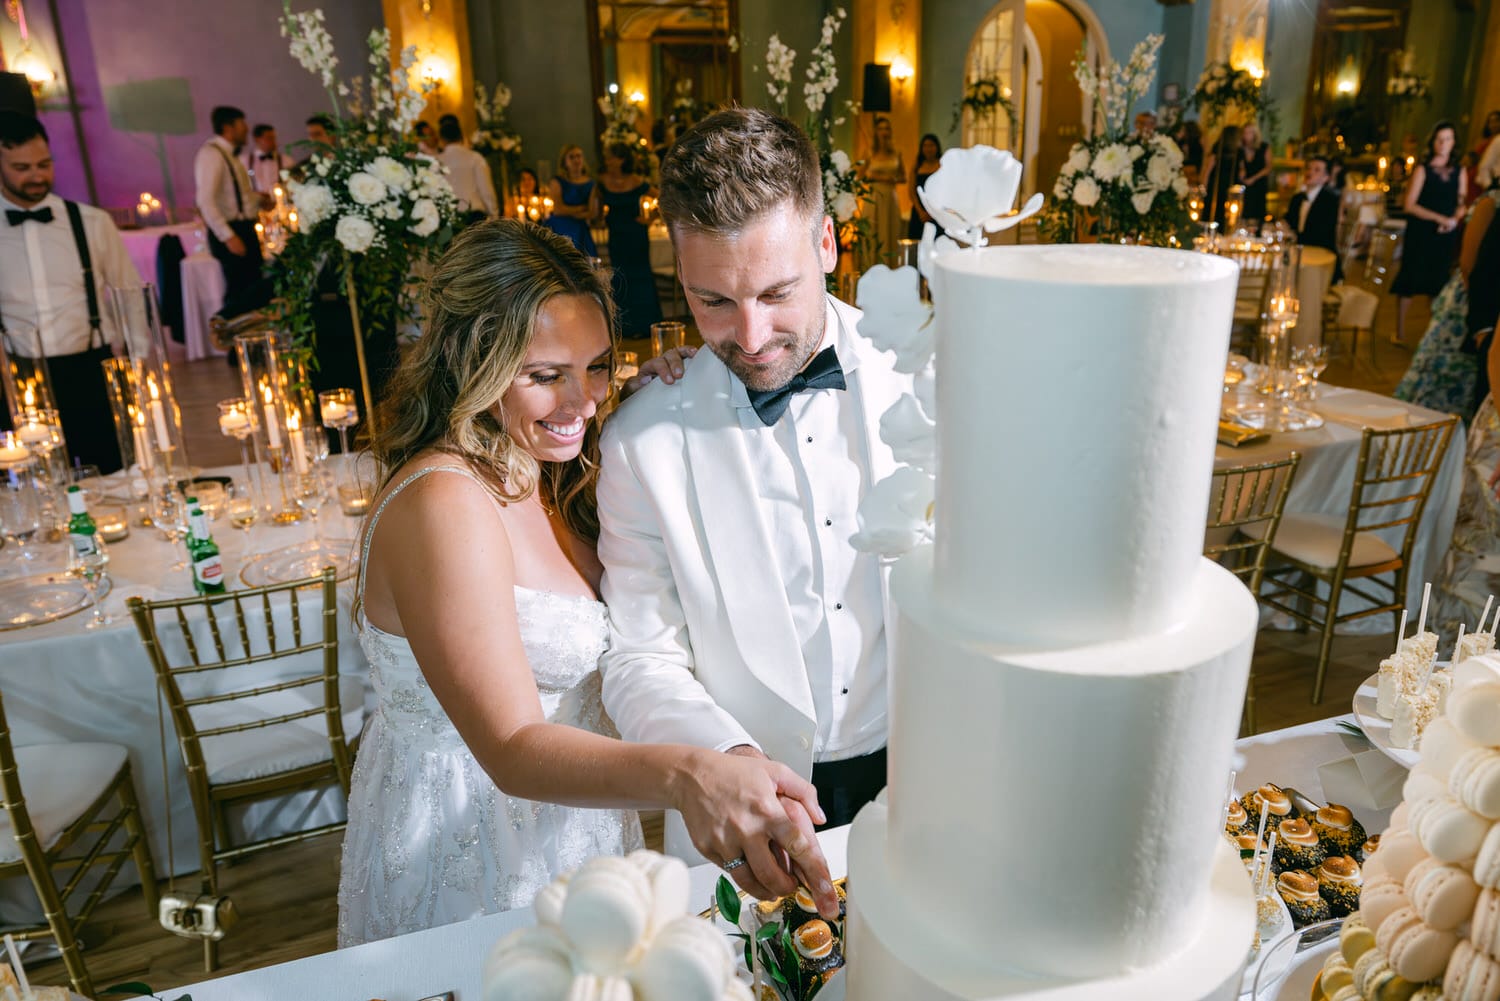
x=929 y=152
x=618 y=194
x=884 y=170
x=264 y=161
x=1447 y=372
x=320 y=131
x=1434 y=208
x=1256 y=155
x=1224 y=167
x=527 y=188
x=468 y=173
x=59 y=258
x=1488 y=170
x=1189 y=139
x=1145 y=125
x=427 y=139
x=572 y=190
x=1336 y=173
x=1314 y=211
x=228 y=203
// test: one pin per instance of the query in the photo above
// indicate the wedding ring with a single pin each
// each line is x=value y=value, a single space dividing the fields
x=733 y=864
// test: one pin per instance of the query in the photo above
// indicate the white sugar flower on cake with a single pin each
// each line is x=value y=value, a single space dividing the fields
x=971 y=193
x=616 y=929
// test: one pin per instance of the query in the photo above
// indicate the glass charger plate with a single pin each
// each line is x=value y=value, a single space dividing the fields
x=40 y=598
x=1288 y=968
x=304 y=559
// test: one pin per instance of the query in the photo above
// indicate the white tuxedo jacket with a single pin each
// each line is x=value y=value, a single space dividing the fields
x=702 y=646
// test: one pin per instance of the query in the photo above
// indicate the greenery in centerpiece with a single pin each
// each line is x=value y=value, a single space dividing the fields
x=494 y=137
x=983 y=97
x=1120 y=186
x=773 y=939
x=370 y=209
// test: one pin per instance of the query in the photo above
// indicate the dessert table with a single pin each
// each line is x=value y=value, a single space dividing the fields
x=63 y=682
x=451 y=958
x=1325 y=477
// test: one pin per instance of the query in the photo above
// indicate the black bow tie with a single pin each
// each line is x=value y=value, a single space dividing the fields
x=17 y=216
x=265 y=156
x=823 y=372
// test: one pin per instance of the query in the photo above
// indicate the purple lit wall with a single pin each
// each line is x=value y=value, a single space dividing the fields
x=230 y=53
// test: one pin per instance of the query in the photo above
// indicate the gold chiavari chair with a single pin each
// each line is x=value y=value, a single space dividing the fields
x=1253 y=293
x=246 y=733
x=1242 y=498
x=1380 y=265
x=1392 y=480
x=65 y=834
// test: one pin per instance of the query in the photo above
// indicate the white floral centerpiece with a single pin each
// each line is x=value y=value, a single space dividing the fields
x=972 y=193
x=1228 y=95
x=495 y=138
x=1405 y=84
x=369 y=208
x=1123 y=186
x=620 y=117
x=844 y=190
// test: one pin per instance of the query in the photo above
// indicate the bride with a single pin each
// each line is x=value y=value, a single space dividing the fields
x=489 y=766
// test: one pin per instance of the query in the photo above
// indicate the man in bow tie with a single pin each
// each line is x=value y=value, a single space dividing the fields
x=228 y=203
x=742 y=617
x=57 y=259
x=265 y=161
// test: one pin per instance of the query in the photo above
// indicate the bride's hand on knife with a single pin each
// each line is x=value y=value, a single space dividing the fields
x=743 y=806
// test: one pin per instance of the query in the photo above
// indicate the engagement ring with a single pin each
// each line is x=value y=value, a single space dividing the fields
x=733 y=864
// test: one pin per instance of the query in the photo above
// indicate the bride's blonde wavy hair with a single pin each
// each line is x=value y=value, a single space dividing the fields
x=481 y=306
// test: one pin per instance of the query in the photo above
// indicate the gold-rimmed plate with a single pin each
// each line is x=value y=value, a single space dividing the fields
x=38 y=599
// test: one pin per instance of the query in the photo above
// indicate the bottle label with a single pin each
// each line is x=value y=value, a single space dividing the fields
x=83 y=544
x=209 y=571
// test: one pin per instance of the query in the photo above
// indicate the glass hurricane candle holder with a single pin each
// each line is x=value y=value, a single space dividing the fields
x=339 y=411
x=238 y=420
x=139 y=317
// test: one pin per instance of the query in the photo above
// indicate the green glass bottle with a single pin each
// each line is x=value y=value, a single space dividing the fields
x=208 y=566
x=81 y=527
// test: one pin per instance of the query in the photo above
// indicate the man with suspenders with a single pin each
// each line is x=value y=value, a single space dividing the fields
x=228 y=203
x=57 y=258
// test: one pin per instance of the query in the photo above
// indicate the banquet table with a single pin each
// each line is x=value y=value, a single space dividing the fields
x=202 y=296
x=63 y=682
x=1325 y=478
x=141 y=244
x=451 y=958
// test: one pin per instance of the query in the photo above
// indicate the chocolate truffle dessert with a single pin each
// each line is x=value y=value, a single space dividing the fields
x=1339 y=881
x=1297 y=847
x=1337 y=829
x=1299 y=891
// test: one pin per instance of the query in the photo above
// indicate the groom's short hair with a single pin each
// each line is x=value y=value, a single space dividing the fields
x=736 y=165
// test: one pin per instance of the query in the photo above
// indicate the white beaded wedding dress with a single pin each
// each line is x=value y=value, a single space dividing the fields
x=431 y=840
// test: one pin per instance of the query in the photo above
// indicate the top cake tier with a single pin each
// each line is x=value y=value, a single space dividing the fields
x=1078 y=398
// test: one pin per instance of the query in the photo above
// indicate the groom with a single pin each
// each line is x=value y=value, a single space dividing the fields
x=742 y=618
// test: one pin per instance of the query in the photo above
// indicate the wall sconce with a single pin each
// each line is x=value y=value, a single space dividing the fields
x=636 y=97
x=434 y=73
x=35 y=69
x=1347 y=82
x=901 y=71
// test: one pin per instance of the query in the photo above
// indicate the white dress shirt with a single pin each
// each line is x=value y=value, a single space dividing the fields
x=811 y=468
x=469 y=174
x=265 y=168
x=217 y=174
x=41 y=279
x=1311 y=196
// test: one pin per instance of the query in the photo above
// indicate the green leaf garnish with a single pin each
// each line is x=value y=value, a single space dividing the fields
x=728 y=899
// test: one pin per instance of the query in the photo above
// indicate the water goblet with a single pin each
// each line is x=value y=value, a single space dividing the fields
x=20 y=509
x=237 y=419
x=90 y=568
x=311 y=495
x=169 y=513
x=340 y=411
x=1317 y=357
x=243 y=511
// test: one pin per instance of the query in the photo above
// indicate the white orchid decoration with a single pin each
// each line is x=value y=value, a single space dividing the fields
x=974 y=192
x=971 y=193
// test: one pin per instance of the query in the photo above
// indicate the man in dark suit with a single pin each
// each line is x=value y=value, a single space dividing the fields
x=1314 y=212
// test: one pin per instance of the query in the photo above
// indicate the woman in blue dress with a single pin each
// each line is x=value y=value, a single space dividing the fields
x=619 y=191
x=572 y=208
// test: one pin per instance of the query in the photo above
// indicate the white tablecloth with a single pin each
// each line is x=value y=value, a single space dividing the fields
x=140 y=244
x=1325 y=479
x=202 y=295
x=1313 y=278
x=64 y=683
x=451 y=958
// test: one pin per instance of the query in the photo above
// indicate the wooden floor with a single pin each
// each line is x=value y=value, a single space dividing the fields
x=287 y=897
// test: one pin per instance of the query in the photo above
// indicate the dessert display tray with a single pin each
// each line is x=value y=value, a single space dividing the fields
x=41 y=598
x=1379 y=730
x=1287 y=968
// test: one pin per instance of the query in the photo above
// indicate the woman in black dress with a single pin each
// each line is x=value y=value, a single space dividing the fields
x=1189 y=139
x=1257 y=156
x=1224 y=168
x=620 y=190
x=1434 y=209
x=929 y=151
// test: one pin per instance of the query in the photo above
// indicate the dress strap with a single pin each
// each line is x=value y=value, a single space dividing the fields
x=364 y=547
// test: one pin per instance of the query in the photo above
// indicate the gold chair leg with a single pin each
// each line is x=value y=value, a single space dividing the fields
x=1335 y=588
x=210 y=955
x=1250 y=730
x=145 y=866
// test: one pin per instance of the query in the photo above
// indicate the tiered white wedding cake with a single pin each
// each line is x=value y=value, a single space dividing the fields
x=1067 y=670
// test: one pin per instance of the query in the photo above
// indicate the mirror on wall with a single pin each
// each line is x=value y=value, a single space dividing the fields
x=668 y=60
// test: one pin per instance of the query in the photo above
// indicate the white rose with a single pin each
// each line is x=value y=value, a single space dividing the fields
x=1136 y=152
x=844 y=204
x=1167 y=148
x=1180 y=186
x=365 y=188
x=1086 y=192
x=1062 y=187
x=893 y=515
x=1078 y=159
x=507 y=144
x=895 y=317
x=356 y=233
x=390 y=172
x=1142 y=200
x=911 y=435
x=314 y=202
x=425 y=218
x=1111 y=162
x=976 y=188
x=389 y=209
x=840 y=161
x=322 y=168
x=1159 y=172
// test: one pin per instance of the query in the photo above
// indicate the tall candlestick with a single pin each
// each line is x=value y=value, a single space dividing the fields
x=273 y=432
x=299 y=446
x=142 y=448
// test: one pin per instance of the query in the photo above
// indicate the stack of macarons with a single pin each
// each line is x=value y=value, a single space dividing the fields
x=615 y=929
x=1429 y=919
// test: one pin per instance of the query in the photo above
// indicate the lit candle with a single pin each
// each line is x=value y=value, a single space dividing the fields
x=29 y=400
x=234 y=422
x=11 y=454
x=273 y=431
x=142 y=443
x=1381 y=167
x=112 y=522
x=334 y=411
x=158 y=417
x=299 y=447
x=33 y=433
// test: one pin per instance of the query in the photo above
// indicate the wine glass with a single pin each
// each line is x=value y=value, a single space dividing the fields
x=312 y=494
x=20 y=511
x=169 y=512
x=1317 y=359
x=90 y=568
x=242 y=509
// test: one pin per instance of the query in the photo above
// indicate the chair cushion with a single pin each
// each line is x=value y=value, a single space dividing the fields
x=266 y=751
x=1314 y=539
x=59 y=782
x=1357 y=308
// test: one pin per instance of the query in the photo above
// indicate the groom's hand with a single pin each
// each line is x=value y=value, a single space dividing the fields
x=750 y=750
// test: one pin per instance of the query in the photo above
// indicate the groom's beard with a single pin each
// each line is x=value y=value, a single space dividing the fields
x=762 y=378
